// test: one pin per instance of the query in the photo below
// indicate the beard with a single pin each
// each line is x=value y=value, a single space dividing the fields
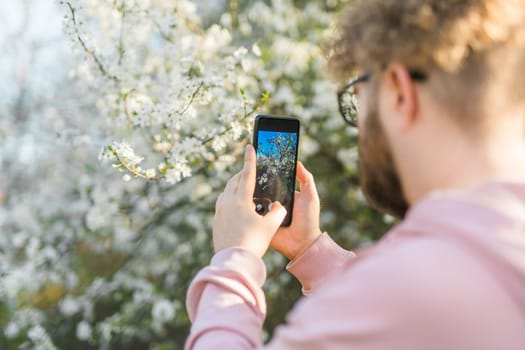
x=379 y=178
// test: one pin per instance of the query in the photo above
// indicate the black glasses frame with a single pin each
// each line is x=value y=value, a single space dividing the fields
x=347 y=100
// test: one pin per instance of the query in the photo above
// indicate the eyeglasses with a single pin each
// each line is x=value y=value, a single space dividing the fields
x=347 y=98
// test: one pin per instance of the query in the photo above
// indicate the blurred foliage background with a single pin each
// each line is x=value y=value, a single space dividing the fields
x=90 y=261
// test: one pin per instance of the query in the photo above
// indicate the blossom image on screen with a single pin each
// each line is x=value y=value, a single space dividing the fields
x=275 y=168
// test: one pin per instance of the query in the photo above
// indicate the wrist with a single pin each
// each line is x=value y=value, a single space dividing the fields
x=319 y=261
x=313 y=237
x=241 y=260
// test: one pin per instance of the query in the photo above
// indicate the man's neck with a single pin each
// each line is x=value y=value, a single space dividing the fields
x=460 y=164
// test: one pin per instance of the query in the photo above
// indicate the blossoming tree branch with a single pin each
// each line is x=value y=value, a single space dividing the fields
x=181 y=93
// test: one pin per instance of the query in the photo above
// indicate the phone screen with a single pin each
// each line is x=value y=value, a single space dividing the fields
x=276 y=145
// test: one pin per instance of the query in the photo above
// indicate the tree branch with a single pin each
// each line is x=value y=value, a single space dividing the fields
x=90 y=52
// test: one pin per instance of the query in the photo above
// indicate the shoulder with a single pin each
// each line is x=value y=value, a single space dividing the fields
x=418 y=267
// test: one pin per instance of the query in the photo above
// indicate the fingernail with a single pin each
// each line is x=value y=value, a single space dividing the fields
x=282 y=207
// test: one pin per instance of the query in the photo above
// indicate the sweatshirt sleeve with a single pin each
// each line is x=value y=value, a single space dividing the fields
x=226 y=304
x=317 y=263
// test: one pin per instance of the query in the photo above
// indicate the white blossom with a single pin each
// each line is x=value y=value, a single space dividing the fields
x=150 y=173
x=40 y=338
x=179 y=171
x=124 y=150
x=162 y=311
x=12 y=330
x=84 y=331
x=69 y=306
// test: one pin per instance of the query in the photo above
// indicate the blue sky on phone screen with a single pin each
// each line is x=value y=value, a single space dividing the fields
x=263 y=140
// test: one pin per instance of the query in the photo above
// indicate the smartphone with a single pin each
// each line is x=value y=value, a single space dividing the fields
x=276 y=141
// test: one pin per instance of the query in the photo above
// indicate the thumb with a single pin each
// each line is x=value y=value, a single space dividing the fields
x=306 y=181
x=276 y=215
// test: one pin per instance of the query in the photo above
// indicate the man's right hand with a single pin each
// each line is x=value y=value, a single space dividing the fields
x=304 y=230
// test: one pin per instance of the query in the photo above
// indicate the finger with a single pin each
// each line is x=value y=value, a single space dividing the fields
x=306 y=181
x=247 y=179
x=232 y=184
x=275 y=216
x=219 y=201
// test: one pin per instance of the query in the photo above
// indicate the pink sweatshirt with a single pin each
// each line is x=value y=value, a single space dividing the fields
x=450 y=276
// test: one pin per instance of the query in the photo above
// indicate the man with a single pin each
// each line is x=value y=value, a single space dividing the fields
x=442 y=145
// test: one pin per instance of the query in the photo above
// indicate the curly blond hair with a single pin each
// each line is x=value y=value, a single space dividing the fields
x=422 y=34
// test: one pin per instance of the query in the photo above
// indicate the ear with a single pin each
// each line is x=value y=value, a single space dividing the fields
x=403 y=97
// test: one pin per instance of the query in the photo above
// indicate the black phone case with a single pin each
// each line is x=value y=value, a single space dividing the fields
x=283 y=124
